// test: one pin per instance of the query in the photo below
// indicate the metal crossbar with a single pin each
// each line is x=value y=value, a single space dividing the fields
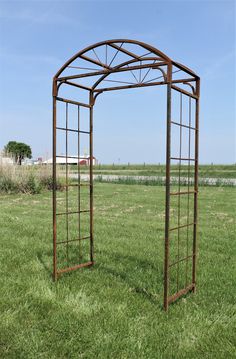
x=182 y=125
x=72 y=212
x=182 y=192
x=69 y=269
x=73 y=102
x=72 y=130
x=180 y=260
x=77 y=185
x=74 y=240
x=183 y=159
x=182 y=226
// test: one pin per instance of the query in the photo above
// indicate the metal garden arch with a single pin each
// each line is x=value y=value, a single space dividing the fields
x=124 y=64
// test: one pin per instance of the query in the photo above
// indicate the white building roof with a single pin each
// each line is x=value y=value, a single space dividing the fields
x=60 y=160
x=70 y=160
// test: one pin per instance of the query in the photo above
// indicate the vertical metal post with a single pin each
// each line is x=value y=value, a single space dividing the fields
x=188 y=203
x=91 y=103
x=179 y=180
x=67 y=199
x=54 y=179
x=79 y=185
x=167 y=209
x=196 y=186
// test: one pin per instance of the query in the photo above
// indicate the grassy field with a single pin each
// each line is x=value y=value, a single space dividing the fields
x=205 y=171
x=114 y=310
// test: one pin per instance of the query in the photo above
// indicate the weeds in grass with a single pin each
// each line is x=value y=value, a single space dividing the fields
x=130 y=180
x=160 y=181
x=30 y=180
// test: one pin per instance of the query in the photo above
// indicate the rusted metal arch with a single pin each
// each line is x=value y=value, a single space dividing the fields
x=165 y=65
x=160 y=56
x=108 y=42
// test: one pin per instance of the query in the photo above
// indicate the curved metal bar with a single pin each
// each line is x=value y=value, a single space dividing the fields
x=162 y=71
x=95 y=96
x=107 y=42
x=192 y=87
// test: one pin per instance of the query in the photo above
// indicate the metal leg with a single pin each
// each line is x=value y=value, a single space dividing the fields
x=167 y=210
x=91 y=101
x=196 y=188
x=54 y=186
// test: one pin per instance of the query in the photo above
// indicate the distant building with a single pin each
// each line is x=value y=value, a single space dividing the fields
x=5 y=160
x=27 y=162
x=39 y=161
x=72 y=160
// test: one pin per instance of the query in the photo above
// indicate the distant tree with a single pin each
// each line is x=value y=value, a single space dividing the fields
x=10 y=149
x=18 y=150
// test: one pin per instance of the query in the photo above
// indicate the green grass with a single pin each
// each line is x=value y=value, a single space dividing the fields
x=114 y=310
x=205 y=171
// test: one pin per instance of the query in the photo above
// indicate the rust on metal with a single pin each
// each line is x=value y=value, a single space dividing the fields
x=180 y=293
x=167 y=209
x=90 y=71
x=69 y=269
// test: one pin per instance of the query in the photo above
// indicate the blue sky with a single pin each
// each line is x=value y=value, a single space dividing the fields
x=37 y=37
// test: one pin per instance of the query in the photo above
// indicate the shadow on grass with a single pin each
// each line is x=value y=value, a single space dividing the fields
x=152 y=297
x=134 y=260
x=124 y=275
x=48 y=269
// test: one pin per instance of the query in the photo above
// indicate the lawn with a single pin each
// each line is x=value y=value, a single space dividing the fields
x=114 y=310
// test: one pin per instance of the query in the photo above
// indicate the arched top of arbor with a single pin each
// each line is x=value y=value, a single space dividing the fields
x=122 y=63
